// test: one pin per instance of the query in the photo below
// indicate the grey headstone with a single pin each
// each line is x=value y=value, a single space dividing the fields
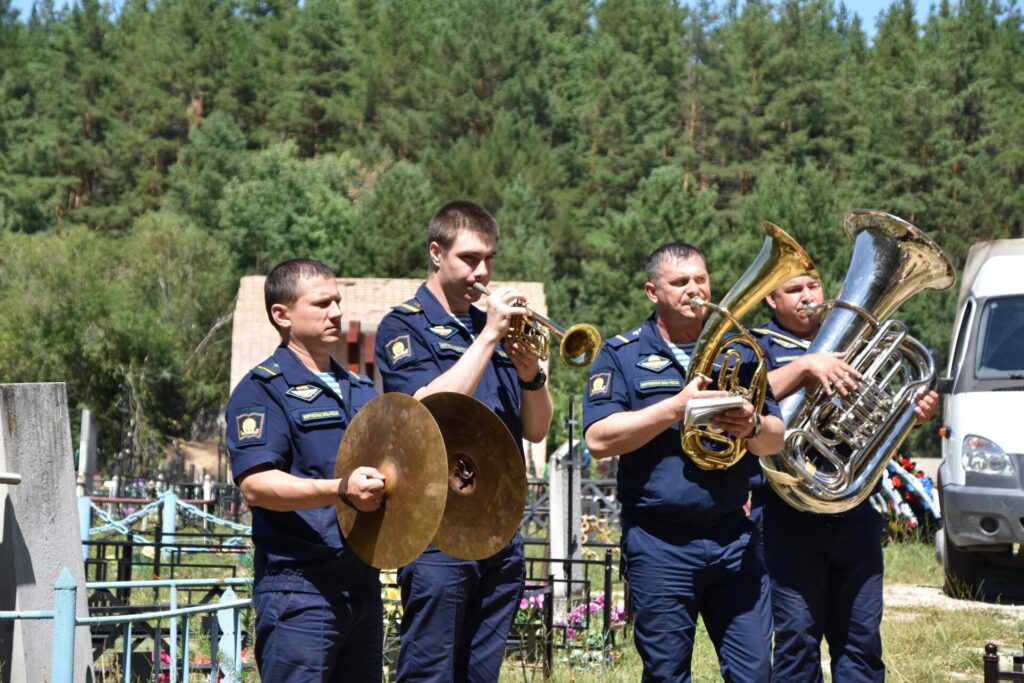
x=39 y=532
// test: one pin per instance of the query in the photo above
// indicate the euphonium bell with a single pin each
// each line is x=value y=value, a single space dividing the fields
x=780 y=259
x=577 y=347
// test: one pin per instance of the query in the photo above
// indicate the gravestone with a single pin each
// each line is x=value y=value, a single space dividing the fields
x=39 y=532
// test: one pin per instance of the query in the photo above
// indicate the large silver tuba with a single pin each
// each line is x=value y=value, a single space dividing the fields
x=837 y=447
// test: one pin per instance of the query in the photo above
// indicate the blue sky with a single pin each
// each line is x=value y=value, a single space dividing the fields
x=867 y=9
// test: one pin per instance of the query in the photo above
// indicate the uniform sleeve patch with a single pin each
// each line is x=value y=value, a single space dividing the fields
x=399 y=350
x=250 y=426
x=599 y=385
x=305 y=392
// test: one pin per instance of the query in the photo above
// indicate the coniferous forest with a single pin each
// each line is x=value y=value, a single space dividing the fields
x=152 y=154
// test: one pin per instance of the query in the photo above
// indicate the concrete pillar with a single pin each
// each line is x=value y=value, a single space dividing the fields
x=39 y=529
x=564 y=523
x=87 y=453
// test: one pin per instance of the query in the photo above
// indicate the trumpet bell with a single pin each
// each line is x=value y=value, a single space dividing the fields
x=580 y=345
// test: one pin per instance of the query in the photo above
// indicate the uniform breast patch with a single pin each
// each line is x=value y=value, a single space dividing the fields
x=399 y=350
x=446 y=346
x=666 y=383
x=305 y=392
x=654 y=362
x=599 y=385
x=320 y=415
x=250 y=425
x=442 y=331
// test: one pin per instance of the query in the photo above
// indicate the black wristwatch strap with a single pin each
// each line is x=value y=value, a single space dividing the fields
x=536 y=383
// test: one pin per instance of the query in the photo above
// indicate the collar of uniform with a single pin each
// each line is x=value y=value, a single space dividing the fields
x=651 y=340
x=775 y=326
x=437 y=315
x=295 y=373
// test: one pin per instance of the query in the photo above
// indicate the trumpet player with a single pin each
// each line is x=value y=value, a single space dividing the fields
x=457 y=613
x=687 y=545
x=825 y=569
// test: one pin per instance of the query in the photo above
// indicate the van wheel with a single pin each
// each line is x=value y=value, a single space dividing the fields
x=958 y=567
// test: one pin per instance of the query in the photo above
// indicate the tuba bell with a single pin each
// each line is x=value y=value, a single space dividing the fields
x=780 y=259
x=837 y=447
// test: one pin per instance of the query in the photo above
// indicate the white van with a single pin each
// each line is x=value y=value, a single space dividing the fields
x=981 y=477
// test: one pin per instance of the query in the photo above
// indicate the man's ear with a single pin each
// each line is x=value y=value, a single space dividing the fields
x=435 y=252
x=651 y=292
x=770 y=300
x=282 y=316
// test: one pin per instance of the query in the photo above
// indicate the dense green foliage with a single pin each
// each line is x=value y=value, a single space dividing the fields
x=149 y=158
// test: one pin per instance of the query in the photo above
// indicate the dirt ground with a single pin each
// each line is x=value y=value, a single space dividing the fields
x=931 y=595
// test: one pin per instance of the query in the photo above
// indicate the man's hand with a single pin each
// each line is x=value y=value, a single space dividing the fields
x=695 y=389
x=501 y=307
x=925 y=406
x=831 y=371
x=739 y=421
x=527 y=364
x=363 y=488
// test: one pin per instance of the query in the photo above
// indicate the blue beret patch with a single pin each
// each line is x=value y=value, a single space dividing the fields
x=250 y=426
x=399 y=351
x=600 y=385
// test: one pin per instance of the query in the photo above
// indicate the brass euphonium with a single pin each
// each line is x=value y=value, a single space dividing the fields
x=577 y=347
x=837 y=447
x=780 y=259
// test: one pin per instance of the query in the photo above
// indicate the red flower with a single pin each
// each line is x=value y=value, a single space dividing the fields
x=897 y=482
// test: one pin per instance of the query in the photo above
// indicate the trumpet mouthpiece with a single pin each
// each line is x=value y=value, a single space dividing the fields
x=480 y=288
x=698 y=302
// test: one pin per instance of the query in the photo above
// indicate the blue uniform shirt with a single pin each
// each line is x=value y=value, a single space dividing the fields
x=283 y=415
x=780 y=346
x=418 y=340
x=637 y=369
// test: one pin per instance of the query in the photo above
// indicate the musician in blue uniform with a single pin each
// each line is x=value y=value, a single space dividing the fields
x=686 y=542
x=318 y=606
x=457 y=613
x=825 y=569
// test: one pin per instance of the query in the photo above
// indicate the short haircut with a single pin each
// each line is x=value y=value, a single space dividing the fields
x=678 y=251
x=461 y=214
x=282 y=284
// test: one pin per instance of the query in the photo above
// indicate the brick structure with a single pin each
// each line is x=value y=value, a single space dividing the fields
x=364 y=301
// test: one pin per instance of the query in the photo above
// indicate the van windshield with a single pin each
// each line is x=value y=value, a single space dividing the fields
x=1000 y=346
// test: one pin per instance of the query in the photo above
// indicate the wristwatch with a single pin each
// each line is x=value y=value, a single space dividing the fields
x=537 y=382
x=757 y=427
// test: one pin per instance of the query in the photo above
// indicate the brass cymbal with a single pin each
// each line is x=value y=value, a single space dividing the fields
x=486 y=478
x=397 y=435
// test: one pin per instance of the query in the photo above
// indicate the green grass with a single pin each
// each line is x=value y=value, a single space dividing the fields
x=920 y=644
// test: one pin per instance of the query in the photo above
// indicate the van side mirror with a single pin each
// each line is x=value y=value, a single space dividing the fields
x=944 y=385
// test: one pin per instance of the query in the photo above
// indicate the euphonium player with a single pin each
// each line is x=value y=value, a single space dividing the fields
x=825 y=569
x=458 y=613
x=687 y=544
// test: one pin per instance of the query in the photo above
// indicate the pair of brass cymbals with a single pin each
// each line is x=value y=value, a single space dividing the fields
x=453 y=476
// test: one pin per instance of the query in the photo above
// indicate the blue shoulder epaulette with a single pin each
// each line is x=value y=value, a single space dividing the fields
x=267 y=369
x=621 y=340
x=409 y=307
x=356 y=377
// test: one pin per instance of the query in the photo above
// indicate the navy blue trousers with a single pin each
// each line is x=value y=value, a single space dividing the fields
x=675 y=574
x=826 y=581
x=309 y=638
x=457 y=614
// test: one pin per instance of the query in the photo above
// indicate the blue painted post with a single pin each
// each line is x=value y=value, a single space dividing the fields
x=169 y=518
x=63 y=663
x=84 y=522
